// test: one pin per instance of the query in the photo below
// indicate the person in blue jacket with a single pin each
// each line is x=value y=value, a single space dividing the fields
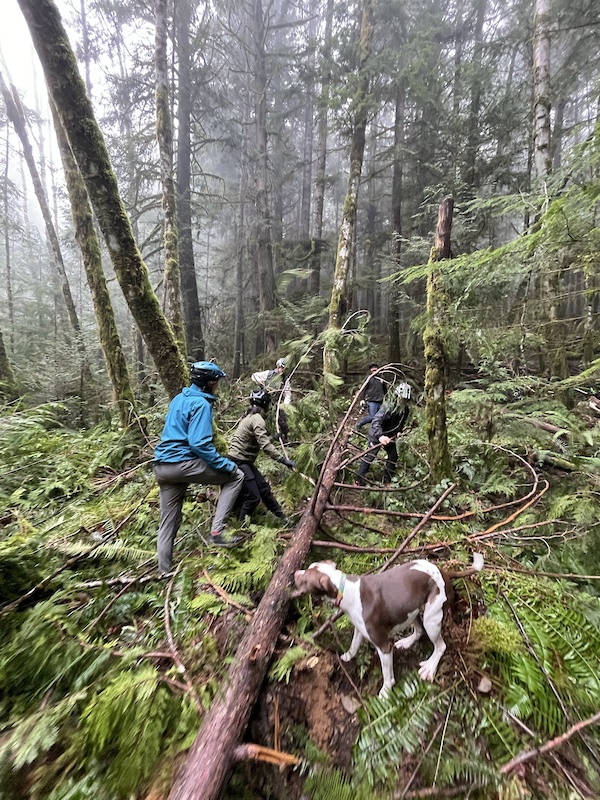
x=186 y=454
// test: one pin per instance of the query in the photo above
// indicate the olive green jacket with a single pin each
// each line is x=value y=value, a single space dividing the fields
x=249 y=438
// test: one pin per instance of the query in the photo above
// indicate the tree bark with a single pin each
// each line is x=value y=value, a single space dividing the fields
x=435 y=357
x=267 y=295
x=164 y=138
x=8 y=383
x=541 y=88
x=338 y=305
x=322 y=110
x=211 y=757
x=7 y=253
x=16 y=115
x=67 y=90
x=87 y=239
x=189 y=286
x=396 y=215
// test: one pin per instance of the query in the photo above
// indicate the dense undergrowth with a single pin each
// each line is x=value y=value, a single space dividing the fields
x=105 y=671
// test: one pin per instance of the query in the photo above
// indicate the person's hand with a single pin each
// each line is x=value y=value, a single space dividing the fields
x=384 y=440
x=287 y=462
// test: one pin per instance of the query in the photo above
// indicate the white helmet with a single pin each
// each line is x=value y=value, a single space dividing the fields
x=403 y=390
x=280 y=362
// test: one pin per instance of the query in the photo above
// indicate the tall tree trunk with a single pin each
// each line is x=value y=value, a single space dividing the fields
x=541 y=88
x=8 y=383
x=85 y=41
x=267 y=296
x=16 y=115
x=473 y=134
x=85 y=232
x=7 y=253
x=211 y=756
x=240 y=243
x=435 y=356
x=322 y=127
x=67 y=90
x=339 y=293
x=396 y=215
x=164 y=137
x=189 y=285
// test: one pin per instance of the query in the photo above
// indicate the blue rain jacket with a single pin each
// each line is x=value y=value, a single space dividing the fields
x=188 y=431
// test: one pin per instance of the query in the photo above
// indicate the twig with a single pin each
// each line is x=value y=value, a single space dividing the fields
x=418 y=767
x=256 y=752
x=417 y=528
x=224 y=596
x=173 y=649
x=111 y=602
x=552 y=744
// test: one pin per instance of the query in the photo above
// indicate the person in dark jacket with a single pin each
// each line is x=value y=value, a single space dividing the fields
x=186 y=454
x=249 y=438
x=373 y=395
x=385 y=427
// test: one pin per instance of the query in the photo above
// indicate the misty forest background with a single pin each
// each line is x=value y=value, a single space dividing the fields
x=415 y=183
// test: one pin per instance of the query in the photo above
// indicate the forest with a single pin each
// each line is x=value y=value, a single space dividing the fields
x=404 y=189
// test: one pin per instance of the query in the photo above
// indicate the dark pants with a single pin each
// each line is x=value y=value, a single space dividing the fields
x=368 y=458
x=374 y=406
x=254 y=489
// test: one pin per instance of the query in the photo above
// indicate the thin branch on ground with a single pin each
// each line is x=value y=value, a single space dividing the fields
x=175 y=653
x=552 y=744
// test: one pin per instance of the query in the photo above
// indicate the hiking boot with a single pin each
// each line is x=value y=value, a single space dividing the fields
x=219 y=540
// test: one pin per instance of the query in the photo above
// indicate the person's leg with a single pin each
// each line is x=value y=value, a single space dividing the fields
x=365 y=465
x=392 y=459
x=267 y=496
x=196 y=471
x=171 y=503
x=250 y=492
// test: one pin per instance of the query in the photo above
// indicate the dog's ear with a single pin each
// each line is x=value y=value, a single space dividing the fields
x=327 y=586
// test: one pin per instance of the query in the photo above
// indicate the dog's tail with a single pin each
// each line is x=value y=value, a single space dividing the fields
x=477 y=566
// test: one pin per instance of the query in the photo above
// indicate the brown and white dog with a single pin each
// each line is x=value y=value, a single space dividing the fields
x=382 y=605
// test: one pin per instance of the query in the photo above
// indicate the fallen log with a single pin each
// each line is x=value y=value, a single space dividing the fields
x=213 y=754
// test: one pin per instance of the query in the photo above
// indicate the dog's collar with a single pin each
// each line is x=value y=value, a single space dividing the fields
x=340 y=591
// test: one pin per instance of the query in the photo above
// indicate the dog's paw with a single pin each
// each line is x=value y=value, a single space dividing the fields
x=405 y=643
x=426 y=671
x=385 y=691
x=346 y=656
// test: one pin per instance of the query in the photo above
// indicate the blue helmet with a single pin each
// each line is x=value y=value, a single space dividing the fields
x=203 y=371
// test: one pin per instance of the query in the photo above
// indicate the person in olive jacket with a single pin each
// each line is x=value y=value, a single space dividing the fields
x=249 y=438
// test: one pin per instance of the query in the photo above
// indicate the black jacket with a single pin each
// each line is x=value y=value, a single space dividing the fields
x=374 y=390
x=388 y=421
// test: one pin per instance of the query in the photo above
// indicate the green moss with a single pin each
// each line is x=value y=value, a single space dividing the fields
x=492 y=636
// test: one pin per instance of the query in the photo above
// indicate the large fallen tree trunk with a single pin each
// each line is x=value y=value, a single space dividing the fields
x=212 y=755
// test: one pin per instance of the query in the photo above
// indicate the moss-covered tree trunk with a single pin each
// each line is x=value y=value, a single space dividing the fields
x=87 y=239
x=164 y=137
x=435 y=356
x=16 y=115
x=189 y=286
x=67 y=90
x=339 y=304
x=8 y=383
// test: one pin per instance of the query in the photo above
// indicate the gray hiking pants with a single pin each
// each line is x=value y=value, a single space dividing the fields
x=173 y=479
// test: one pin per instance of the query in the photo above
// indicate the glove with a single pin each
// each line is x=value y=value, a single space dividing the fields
x=287 y=462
